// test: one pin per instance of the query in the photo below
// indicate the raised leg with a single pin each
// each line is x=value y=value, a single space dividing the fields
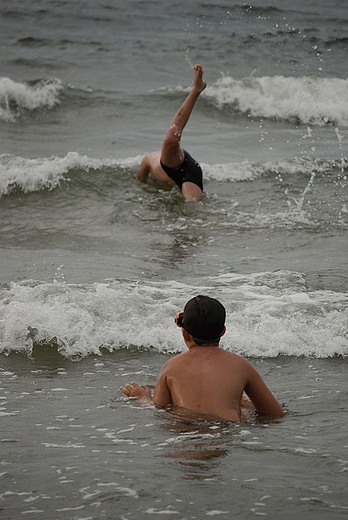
x=171 y=153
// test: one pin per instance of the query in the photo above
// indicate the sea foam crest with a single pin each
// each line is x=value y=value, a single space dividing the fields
x=308 y=100
x=16 y=97
x=31 y=175
x=48 y=172
x=268 y=314
x=246 y=170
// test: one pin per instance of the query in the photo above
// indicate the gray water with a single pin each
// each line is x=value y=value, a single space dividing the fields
x=94 y=265
x=85 y=452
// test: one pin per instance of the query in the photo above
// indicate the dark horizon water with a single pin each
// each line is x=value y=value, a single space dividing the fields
x=94 y=265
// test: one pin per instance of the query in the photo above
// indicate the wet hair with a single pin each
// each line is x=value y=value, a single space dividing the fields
x=204 y=318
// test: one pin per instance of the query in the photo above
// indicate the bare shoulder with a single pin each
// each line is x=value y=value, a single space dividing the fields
x=150 y=160
x=153 y=158
x=232 y=357
x=174 y=363
x=234 y=363
x=177 y=359
x=216 y=355
x=151 y=163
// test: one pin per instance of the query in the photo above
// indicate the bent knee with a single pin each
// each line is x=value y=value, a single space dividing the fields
x=191 y=192
x=173 y=136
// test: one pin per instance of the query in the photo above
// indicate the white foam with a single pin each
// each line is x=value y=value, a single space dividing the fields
x=305 y=99
x=268 y=314
x=32 y=175
x=48 y=172
x=246 y=170
x=16 y=97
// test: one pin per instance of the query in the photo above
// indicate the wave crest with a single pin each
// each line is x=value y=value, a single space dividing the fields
x=16 y=98
x=30 y=175
x=305 y=100
x=268 y=314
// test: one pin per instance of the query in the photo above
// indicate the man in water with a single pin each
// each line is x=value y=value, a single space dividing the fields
x=172 y=164
x=206 y=379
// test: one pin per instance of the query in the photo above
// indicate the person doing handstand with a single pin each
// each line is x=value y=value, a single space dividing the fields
x=207 y=379
x=172 y=164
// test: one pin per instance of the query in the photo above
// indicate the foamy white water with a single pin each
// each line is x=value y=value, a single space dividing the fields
x=16 y=98
x=94 y=264
x=268 y=314
x=48 y=172
x=307 y=100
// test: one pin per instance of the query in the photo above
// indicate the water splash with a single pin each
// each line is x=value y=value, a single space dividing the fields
x=300 y=201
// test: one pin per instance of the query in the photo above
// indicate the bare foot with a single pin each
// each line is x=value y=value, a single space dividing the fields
x=198 y=83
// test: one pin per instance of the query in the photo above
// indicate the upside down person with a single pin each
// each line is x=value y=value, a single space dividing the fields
x=172 y=164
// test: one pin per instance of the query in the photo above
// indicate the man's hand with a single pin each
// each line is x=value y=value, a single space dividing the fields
x=137 y=391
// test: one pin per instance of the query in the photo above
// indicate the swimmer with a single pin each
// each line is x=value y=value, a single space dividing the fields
x=207 y=379
x=172 y=164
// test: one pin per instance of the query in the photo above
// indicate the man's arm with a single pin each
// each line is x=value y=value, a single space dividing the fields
x=162 y=396
x=262 y=398
x=144 y=169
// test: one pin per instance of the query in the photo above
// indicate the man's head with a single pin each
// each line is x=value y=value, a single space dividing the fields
x=204 y=318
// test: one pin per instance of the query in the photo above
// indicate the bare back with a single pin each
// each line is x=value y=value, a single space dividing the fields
x=211 y=381
x=151 y=165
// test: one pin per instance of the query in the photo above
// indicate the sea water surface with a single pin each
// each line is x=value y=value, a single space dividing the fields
x=94 y=265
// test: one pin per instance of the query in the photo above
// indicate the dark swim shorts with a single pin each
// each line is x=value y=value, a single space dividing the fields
x=189 y=171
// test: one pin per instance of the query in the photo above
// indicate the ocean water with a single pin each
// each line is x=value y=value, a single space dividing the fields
x=94 y=265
